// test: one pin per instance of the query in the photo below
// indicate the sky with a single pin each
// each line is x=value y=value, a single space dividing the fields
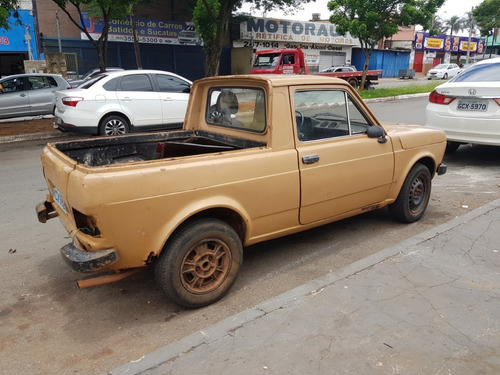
x=449 y=9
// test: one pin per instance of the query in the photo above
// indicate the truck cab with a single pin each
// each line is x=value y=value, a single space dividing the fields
x=279 y=61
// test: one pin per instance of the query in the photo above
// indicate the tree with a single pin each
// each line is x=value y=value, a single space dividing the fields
x=211 y=18
x=8 y=8
x=487 y=16
x=455 y=24
x=105 y=9
x=371 y=21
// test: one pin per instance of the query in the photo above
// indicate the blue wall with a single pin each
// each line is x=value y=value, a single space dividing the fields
x=389 y=61
x=187 y=61
x=14 y=40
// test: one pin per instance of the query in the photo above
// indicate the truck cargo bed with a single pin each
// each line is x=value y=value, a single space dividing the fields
x=135 y=148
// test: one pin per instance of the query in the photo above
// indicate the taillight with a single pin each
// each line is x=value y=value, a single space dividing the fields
x=497 y=100
x=435 y=97
x=71 y=101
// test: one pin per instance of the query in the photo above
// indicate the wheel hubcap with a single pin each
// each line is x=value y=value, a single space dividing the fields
x=205 y=266
x=114 y=127
x=417 y=194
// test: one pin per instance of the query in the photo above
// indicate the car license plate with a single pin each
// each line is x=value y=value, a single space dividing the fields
x=58 y=199
x=472 y=105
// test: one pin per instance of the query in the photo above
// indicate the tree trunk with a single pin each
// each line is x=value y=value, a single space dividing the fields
x=137 y=50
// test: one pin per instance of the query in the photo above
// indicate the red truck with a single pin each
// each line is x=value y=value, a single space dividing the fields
x=292 y=61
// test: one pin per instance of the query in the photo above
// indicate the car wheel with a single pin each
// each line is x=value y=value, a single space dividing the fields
x=445 y=76
x=353 y=83
x=114 y=125
x=200 y=263
x=414 y=196
x=451 y=147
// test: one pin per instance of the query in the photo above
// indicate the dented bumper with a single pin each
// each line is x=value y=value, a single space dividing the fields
x=88 y=262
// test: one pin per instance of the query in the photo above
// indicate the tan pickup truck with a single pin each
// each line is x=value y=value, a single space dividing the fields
x=259 y=157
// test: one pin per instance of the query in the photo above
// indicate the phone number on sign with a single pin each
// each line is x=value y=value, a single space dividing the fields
x=142 y=39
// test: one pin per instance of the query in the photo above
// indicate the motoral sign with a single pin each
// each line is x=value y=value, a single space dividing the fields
x=293 y=31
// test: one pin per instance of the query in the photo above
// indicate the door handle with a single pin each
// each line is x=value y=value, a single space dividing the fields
x=310 y=159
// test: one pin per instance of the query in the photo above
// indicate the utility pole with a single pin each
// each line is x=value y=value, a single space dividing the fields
x=58 y=32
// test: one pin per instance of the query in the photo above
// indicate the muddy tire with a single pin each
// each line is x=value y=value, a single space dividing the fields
x=114 y=125
x=200 y=263
x=414 y=196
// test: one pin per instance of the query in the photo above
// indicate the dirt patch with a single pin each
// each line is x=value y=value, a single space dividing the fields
x=19 y=127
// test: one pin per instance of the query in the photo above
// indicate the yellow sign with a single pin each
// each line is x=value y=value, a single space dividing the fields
x=434 y=43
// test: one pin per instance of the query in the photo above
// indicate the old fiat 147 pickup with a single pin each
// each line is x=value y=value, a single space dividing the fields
x=258 y=157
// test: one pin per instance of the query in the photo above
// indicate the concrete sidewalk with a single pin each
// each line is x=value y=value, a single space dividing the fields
x=429 y=305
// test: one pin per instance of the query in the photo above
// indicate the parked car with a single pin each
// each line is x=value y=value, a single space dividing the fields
x=89 y=75
x=120 y=102
x=335 y=69
x=443 y=71
x=467 y=107
x=29 y=94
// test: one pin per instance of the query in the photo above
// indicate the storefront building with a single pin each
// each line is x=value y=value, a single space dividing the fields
x=17 y=44
x=321 y=43
x=432 y=50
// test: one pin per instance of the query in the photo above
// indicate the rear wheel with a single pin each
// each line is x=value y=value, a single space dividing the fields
x=414 y=196
x=353 y=83
x=200 y=263
x=114 y=125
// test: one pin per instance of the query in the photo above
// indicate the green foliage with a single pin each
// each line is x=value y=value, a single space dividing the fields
x=370 y=21
x=487 y=15
x=455 y=24
x=8 y=8
x=205 y=16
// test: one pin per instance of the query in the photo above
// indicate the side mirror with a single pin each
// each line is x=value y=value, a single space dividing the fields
x=376 y=132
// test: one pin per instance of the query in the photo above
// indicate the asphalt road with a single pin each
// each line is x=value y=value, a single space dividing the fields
x=49 y=326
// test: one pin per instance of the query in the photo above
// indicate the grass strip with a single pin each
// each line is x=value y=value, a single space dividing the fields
x=395 y=91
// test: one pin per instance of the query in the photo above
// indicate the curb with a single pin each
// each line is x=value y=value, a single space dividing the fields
x=30 y=137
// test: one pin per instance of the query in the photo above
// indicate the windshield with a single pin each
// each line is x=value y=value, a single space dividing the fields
x=479 y=73
x=266 y=61
x=441 y=66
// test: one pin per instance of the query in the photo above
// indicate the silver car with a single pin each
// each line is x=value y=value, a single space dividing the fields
x=29 y=94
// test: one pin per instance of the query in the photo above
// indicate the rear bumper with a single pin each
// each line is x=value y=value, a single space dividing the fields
x=60 y=125
x=45 y=211
x=87 y=262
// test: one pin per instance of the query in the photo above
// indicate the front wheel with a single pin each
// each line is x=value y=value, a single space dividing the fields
x=200 y=263
x=445 y=76
x=114 y=125
x=414 y=196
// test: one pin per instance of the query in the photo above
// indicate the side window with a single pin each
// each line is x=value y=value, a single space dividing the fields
x=321 y=114
x=172 y=84
x=136 y=82
x=40 y=82
x=13 y=85
x=237 y=107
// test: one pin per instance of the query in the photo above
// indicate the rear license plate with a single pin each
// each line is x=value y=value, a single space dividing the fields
x=58 y=199
x=472 y=105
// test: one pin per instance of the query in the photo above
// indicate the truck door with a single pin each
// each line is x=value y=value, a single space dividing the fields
x=341 y=168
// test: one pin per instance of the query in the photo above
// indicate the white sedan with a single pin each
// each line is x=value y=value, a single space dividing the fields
x=443 y=71
x=124 y=101
x=467 y=107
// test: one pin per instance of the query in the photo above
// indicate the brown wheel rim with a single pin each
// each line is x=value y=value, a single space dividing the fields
x=205 y=266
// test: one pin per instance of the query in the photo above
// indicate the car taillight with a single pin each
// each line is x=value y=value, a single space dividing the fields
x=497 y=100
x=435 y=97
x=71 y=101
